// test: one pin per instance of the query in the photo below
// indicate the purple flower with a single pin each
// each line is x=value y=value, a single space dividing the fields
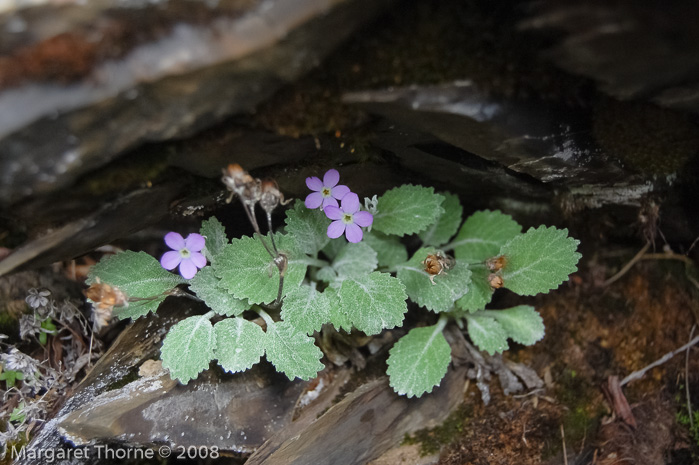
x=348 y=219
x=185 y=252
x=327 y=192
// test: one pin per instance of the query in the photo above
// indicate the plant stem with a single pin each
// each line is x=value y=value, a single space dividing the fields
x=265 y=316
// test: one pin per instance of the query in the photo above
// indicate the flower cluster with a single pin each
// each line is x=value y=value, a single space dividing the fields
x=346 y=216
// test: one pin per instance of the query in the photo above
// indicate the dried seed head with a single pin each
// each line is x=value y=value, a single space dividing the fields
x=436 y=264
x=496 y=263
x=239 y=182
x=271 y=196
x=104 y=295
x=495 y=281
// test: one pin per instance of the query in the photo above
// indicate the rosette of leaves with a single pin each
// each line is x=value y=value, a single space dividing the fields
x=362 y=287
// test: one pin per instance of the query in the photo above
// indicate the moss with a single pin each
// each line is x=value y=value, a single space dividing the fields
x=128 y=378
x=431 y=440
x=650 y=139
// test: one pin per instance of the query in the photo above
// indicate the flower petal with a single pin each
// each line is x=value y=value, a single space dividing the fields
x=314 y=183
x=353 y=233
x=174 y=241
x=331 y=178
x=334 y=213
x=350 y=203
x=195 y=242
x=363 y=219
x=170 y=260
x=339 y=191
x=335 y=229
x=329 y=202
x=313 y=200
x=188 y=269
x=198 y=259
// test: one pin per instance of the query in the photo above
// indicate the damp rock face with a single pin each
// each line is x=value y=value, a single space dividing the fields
x=82 y=82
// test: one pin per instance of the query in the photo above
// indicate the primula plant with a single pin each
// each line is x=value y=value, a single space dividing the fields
x=340 y=267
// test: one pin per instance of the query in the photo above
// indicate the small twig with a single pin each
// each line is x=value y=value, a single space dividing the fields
x=563 y=440
x=628 y=266
x=639 y=373
x=686 y=382
x=693 y=244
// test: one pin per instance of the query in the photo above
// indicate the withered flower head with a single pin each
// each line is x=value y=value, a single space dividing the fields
x=495 y=281
x=436 y=264
x=271 y=196
x=105 y=296
x=239 y=182
x=496 y=263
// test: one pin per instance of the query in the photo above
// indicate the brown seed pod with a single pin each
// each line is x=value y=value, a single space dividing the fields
x=496 y=263
x=104 y=298
x=436 y=264
x=495 y=281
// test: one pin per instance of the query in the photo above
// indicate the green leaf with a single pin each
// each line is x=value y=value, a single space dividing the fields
x=138 y=309
x=389 y=250
x=292 y=352
x=306 y=309
x=447 y=287
x=539 y=260
x=333 y=247
x=208 y=287
x=248 y=272
x=355 y=260
x=239 y=344
x=188 y=348
x=327 y=274
x=487 y=333
x=215 y=235
x=479 y=292
x=482 y=235
x=337 y=317
x=137 y=274
x=407 y=209
x=446 y=225
x=522 y=323
x=308 y=227
x=418 y=361
x=373 y=302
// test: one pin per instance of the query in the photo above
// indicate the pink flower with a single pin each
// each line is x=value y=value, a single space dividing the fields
x=327 y=192
x=348 y=219
x=185 y=252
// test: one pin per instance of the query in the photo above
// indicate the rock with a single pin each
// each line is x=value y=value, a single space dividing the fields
x=632 y=50
x=530 y=137
x=82 y=83
x=139 y=342
x=235 y=413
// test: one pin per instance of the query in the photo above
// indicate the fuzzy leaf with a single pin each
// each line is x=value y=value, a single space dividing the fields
x=482 y=235
x=208 y=287
x=248 y=272
x=338 y=319
x=446 y=225
x=389 y=250
x=447 y=287
x=137 y=274
x=354 y=260
x=327 y=274
x=306 y=309
x=239 y=344
x=333 y=247
x=539 y=260
x=487 y=333
x=522 y=323
x=407 y=209
x=479 y=292
x=215 y=235
x=373 y=302
x=418 y=361
x=188 y=348
x=308 y=227
x=292 y=352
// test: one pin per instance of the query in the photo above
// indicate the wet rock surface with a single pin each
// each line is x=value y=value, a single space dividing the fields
x=78 y=91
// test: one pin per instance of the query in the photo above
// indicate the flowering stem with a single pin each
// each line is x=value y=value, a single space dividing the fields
x=256 y=227
x=271 y=233
x=265 y=316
